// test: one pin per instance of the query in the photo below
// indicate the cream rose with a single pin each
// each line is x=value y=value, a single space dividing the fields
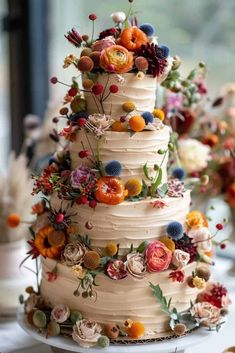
x=86 y=333
x=135 y=265
x=101 y=121
x=202 y=238
x=60 y=313
x=194 y=155
x=206 y=313
x=180 y=258
x=73 y=253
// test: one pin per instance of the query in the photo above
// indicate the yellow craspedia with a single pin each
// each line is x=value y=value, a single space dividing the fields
x=134 y=187
x=128 y=106
x=111 y=249
x=198 y=282
x=159 y=113
x=168 y=242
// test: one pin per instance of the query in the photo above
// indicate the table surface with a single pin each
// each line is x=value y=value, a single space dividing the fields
x=14 y=340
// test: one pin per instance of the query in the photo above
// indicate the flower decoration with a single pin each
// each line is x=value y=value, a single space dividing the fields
x=98 y=123
x=185 y=244
x=60 y=313
x=148 y=29
x=136 y=330
x=113 y=168
x=158 y=257
x=73 y=253
x=43 y=245
x=148 y=117
x=74 y=37
x=118 y=17
x=158 y=204
x=133 y=38
x=82 y=177
x=86 y=333
x=155 y=56
x=180 y=258
x=102 y=44
x=116 y=269
x=177 y=276
x=201 y=237
x=195 y=220
x=175 y=230
x=178 y=173
x=137 y=123
x=117 y=57
x=134 y=187
x=206 y=314
x=110 y=190
x=175 y=188
x=135 y=265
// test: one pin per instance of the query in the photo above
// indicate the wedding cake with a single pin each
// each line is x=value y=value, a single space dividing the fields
x=123 y=259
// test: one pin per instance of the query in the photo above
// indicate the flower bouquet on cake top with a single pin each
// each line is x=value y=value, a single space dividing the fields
x=123 y=260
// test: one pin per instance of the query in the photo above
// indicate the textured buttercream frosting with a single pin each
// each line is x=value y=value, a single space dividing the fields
x=118 y=301
x=129 y=222
x=132 y=151
x=141 y=92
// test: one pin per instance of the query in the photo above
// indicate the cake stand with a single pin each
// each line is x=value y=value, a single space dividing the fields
x=61 y=344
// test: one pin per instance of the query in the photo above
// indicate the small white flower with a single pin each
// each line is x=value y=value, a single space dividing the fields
x=180 y=258
x=118 y=17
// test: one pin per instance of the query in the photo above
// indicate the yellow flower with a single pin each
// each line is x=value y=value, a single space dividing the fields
x=128 y=106
x=168 y=242
x=195 y=220
x=134 y=187
x=111 y=249
x=198 y=282
x=69 y=59
x=159 y=113
x=79 y=271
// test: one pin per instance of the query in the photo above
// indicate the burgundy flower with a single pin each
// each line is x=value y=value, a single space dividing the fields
x=177 y=276
x=108 y=32
x=74 y=37
x=116 y=269
x=155 y=56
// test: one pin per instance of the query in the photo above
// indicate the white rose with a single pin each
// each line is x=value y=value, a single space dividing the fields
x=202 y=238
x=86 y=333
x=180 y=258
x=118 y=17
x=194 y=155
x=60 y=313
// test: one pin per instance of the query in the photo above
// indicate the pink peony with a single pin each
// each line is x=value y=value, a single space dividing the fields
x=158 y=256
x=86 y=333
x=206 y=313
x=104 y=43
x=60 y=313
x=116 y=269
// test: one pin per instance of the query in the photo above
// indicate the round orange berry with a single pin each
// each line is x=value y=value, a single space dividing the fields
x=119 y=126
x=137 y=123
x=13 y=220
x=136 y=330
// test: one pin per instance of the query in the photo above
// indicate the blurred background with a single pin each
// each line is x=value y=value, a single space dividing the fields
x=32 y=48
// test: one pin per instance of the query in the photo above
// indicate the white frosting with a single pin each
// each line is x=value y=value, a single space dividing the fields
x=141 y=92
x=131 y=151
x=129 y=222
x=119 y=300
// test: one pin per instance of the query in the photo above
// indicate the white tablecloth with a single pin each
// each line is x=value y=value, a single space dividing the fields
x=14 y=340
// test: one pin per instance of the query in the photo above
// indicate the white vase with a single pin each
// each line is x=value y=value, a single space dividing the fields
x=13 y=279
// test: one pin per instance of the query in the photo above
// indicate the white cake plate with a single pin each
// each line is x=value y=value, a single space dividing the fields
x=62 y=344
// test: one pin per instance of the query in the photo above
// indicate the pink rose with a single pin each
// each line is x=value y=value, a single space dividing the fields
x=158 y=256
x=116 y=269
x=60 y=313
x=206 y=313
x=180 y=258
x=104 y=43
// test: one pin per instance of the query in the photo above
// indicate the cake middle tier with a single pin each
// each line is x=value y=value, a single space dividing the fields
x=131 y=151
x=128 y=223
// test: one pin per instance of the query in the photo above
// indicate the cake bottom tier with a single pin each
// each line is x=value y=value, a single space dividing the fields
x=120 y=300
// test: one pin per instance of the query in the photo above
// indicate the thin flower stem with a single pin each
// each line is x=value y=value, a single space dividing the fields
x=93 y=31
x=94 y=98
x=92 y=151
x=37 y=275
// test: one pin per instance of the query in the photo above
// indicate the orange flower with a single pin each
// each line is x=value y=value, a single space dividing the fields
x=110 y=190
x=116 y=58
x=43 y=246
x=13 y=220
x=210 y=140
x=196 y=219
x=133 y=38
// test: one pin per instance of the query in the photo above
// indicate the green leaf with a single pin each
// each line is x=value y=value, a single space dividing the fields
x=141 y=248
x=156 y=183
x=146 y=173
x=144 y=192
x=192 y=74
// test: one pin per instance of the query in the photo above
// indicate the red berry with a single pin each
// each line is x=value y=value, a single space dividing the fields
x=123 y=119
x=84 y=154
x=222 y=246
x=83 y=200
x=72 y=92
x=113 y=88
x=59 y=218
x=92 y=17
x=219 y=226
x=93 y=203
x=111 y=68
x=81 y=122
x=97 y=89
x=54 y=80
